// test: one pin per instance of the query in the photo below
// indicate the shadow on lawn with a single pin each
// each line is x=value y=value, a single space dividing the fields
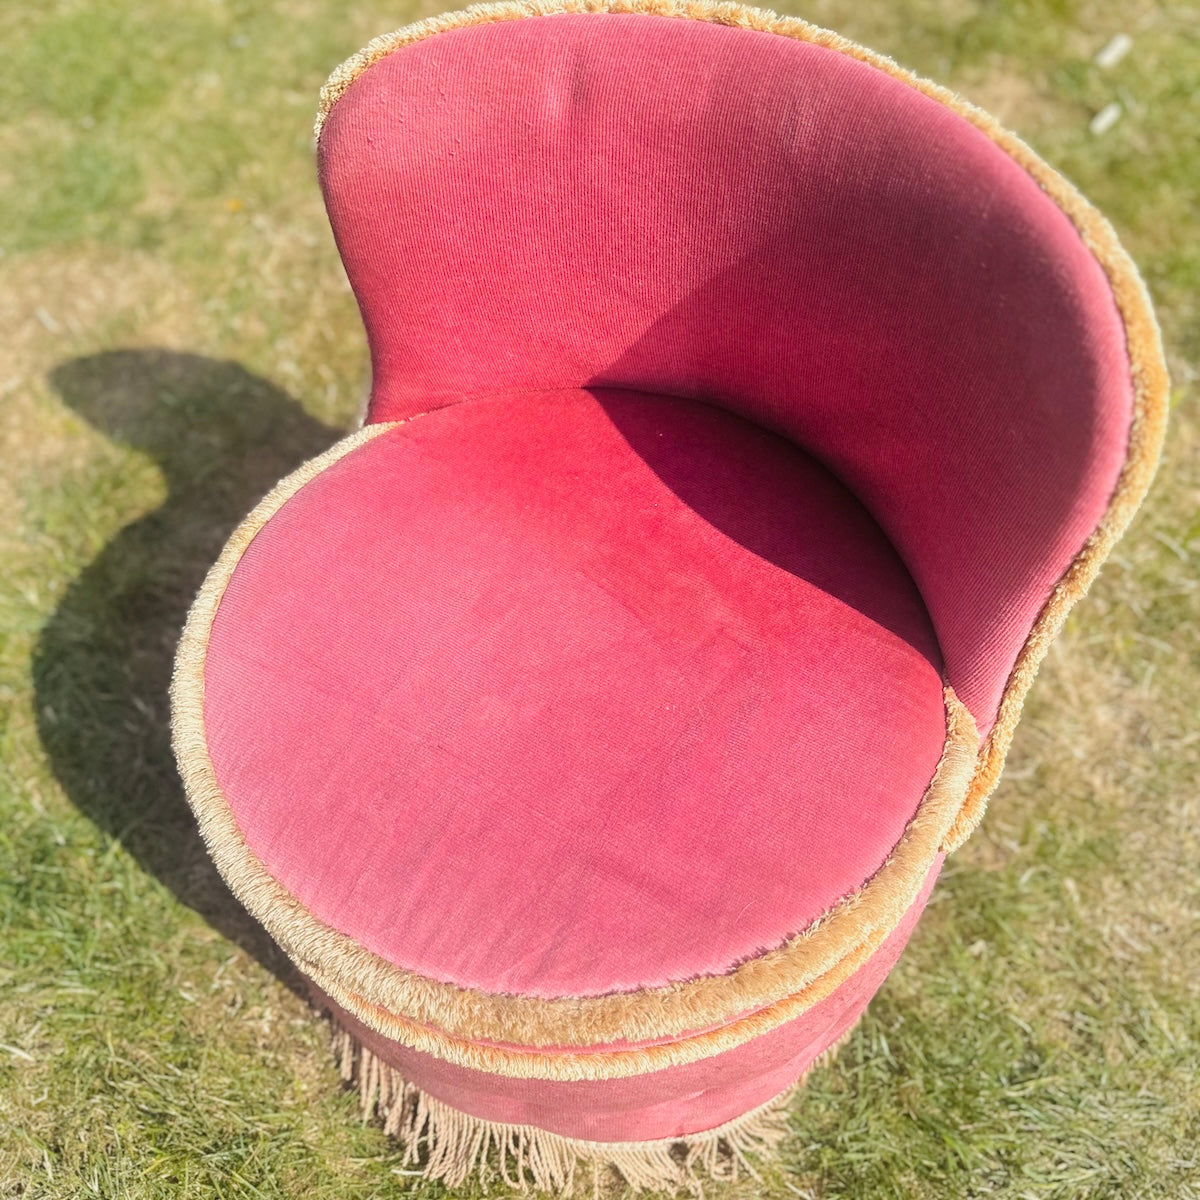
x=223 y=438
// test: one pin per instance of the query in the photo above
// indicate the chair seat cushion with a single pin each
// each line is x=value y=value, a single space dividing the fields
x=571 y=693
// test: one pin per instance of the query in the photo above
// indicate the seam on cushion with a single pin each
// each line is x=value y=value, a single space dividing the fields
x=1143 y=339
x=757 y=995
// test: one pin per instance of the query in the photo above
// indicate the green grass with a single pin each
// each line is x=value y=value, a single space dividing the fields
x=177 y=335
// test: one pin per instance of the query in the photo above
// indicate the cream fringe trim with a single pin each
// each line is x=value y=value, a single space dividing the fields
x=456 y=1146
x=1147 y=363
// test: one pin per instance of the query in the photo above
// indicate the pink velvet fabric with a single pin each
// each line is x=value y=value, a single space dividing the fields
x=572 y=692
x=662 y=1104
x=680 y=207
x=764 y=389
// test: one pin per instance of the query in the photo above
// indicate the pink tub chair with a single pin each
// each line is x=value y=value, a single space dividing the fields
x=591 y=726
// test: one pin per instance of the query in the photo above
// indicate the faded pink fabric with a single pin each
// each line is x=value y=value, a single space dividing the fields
x=732 y=215
x=568 y=693
x=668 y=1103
x=765 y=389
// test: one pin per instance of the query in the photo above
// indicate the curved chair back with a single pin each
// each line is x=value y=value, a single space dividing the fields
x=776 y=226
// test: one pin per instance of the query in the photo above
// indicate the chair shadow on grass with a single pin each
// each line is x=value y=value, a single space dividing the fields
x=222 y=438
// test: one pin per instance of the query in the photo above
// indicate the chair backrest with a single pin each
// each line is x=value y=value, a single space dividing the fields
x=757 y=218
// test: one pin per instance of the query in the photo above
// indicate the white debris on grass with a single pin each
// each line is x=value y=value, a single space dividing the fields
x=1105 y=119
x=1113 y=51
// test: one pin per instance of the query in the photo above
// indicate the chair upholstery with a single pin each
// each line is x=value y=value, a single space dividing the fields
x=591 y=726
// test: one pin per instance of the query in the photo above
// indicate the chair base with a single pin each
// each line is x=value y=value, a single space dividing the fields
x=443 y=1143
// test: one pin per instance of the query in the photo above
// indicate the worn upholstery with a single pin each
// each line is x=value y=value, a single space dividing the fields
x=590 y=726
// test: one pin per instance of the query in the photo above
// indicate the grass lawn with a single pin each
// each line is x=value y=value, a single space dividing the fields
x=176 y=334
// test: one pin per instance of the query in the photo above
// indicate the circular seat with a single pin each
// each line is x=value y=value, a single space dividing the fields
x=536 y=666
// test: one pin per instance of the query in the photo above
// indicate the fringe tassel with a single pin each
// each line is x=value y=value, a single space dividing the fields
x=440 y=1142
